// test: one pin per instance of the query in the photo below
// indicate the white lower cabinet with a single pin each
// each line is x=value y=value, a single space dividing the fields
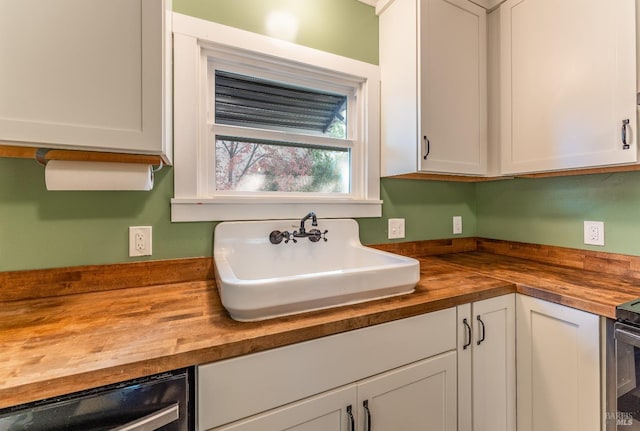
x=448 y=370
x=487 y=365
x=558 y=367
x=415 y=397
x=330 y=411
x=394 y=376
x=420 y=396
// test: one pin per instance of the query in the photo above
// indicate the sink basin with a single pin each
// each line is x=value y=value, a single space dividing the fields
x=258 y=280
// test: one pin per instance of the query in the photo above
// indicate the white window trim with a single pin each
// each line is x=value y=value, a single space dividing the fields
x=191 y=37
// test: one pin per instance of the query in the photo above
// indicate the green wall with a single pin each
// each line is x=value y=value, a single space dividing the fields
x=344 y=27
x=40 y=229
x=552 y=210
x=427 y=207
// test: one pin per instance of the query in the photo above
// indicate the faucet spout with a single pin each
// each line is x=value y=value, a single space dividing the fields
x=314 y=222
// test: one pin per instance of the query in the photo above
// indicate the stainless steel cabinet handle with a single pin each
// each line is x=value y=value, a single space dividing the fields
x=483 y=329
x=365 y=404
x=625 y=144
x=153 y=421
x=352 y=425
x=468 y=328
x=427 y=147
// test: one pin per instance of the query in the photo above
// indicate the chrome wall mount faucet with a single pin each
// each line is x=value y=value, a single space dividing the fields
x=314 y=235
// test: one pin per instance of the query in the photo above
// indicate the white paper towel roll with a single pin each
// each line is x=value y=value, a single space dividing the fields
x=72 y=175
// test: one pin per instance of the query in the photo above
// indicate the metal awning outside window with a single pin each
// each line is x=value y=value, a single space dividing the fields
x=242 y=100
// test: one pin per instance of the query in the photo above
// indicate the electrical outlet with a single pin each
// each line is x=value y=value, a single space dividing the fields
x=594 y=232
x=396 y=228
x=457 y=225
x=140 y=241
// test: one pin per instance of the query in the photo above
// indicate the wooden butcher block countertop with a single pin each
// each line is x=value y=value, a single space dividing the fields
x=71 y=329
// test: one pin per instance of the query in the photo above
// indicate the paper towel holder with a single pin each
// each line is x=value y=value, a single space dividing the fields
x=160 y=166
x=41 y=157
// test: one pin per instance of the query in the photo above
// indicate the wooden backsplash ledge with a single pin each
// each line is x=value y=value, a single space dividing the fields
x=43 y=283
x=429 y=247
x=609 y=263
x=601 y=262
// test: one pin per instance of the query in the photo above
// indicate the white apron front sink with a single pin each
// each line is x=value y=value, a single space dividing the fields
x=258 y=280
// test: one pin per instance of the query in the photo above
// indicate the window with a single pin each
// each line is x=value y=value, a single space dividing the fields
x=314 y=157
x=267 y=129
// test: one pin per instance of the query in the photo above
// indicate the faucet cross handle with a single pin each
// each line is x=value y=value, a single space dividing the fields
x=289 y=237
x=316 y=235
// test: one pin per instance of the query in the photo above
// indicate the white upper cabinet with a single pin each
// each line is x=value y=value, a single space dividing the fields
x=434 y=87
x=568 y=84
x=488 y=4
x=85 y=75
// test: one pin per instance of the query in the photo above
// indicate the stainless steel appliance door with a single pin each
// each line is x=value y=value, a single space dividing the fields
x=627 y=373
x=154 y=421
x=159 y=403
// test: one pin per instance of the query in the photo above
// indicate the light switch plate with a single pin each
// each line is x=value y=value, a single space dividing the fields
x=396 y=228
x=457 y=225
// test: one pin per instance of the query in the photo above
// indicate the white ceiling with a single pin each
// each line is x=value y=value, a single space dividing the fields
x=369 y=2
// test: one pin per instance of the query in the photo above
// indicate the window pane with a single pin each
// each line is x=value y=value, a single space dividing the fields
x=242 y=100
x=250 y=166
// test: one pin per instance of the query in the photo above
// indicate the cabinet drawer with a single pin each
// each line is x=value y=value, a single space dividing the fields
x=236 y=388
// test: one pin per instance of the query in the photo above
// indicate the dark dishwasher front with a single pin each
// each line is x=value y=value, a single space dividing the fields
x=162 y=402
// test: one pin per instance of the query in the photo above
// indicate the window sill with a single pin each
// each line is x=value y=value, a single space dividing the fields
x=208 y=209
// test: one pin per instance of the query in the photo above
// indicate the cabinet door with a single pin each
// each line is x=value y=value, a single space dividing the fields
x=465 y=367
x=494 y=364
x=399 y=95
x=421 y=396
x=568 y=81
x=237 y=388
x=83 y=74
x=433 y=87
x=331 y=411
x=453 y=67
x=558 y=363
x=486 y=365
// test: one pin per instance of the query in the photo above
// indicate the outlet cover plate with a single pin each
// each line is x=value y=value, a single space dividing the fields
x=594 y=233
x=140 y=241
